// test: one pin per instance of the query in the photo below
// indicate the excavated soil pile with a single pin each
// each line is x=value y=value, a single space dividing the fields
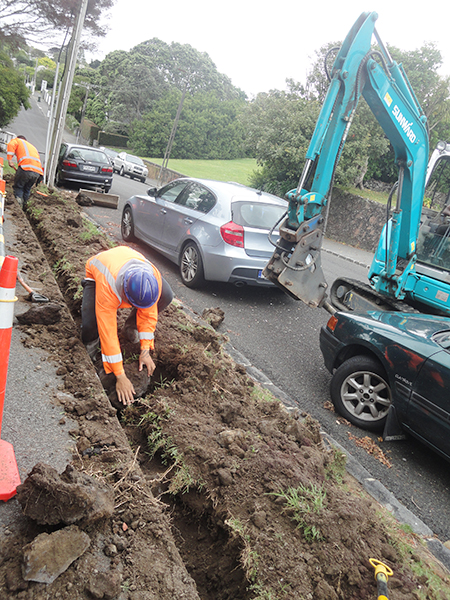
x=208 y=488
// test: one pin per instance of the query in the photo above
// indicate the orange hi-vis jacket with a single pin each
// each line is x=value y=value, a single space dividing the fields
x=26 y=154
x=107 y=269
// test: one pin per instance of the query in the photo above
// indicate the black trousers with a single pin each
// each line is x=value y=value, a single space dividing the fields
x=89 y=329
x=23 y=182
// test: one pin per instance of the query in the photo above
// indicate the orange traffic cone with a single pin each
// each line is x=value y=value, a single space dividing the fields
x=9 y=473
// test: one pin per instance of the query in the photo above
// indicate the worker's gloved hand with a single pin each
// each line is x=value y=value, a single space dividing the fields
x=125 y=390
x=146 y=359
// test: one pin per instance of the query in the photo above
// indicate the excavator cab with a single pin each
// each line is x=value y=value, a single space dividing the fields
x=433 y=244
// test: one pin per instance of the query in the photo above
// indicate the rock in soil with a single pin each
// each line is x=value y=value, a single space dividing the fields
x=49 y=555
x=72 y=497
x=44 y=314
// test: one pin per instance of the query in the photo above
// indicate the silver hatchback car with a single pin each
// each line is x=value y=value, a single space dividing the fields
x=213 y=230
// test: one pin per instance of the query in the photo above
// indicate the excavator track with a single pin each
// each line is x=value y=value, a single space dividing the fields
x=350 y=295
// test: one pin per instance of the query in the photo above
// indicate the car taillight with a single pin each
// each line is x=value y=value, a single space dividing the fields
x=106 y=169
x=67 y=163
x=233 y=234
x=332 y=323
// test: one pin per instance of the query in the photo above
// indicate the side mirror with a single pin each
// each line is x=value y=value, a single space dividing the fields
x=152 y=192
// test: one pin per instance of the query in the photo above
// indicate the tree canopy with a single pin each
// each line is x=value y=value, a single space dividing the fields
x=144 y=85
x=25 y=21
x=279 y=125
x=209 y=128
x=13 y=92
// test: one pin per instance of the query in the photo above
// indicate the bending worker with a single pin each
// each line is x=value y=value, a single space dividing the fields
x=28 y=170
x=122 y=278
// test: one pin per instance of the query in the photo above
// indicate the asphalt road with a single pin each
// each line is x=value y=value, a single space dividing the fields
x=280 y=336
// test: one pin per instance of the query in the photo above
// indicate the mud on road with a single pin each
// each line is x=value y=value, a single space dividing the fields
x=207 y=487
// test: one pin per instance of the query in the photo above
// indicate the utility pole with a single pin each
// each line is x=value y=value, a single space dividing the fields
x=172 y=135
x=64 y=96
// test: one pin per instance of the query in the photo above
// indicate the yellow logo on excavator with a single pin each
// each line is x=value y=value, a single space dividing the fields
x=387 y=99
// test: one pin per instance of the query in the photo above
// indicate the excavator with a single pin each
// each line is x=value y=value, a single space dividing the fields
x=410 y=270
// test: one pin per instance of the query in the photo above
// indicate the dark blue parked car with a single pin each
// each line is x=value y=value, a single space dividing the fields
x=391 y=363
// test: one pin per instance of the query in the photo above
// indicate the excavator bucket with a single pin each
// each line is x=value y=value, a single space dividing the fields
x=298 y=269
x=101 y=198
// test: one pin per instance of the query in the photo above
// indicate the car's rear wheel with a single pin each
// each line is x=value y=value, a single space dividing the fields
x=191 y=266
x=58 y=180
x=360 y=392
x=127 y=225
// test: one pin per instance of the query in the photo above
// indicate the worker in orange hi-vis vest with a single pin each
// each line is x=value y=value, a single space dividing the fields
x=122 y=278
x=28 y=170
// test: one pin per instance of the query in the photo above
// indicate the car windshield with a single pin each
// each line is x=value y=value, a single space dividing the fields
x=135 y=160
x=257 y=215
x=88 y=155
x=443 y=339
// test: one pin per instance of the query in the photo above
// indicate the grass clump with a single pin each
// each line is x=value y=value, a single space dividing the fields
x=158 y=443
x=89 y=231
x=335 y=467
x=300 y=502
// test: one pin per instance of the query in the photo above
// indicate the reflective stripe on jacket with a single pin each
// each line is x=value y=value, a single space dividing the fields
x=107 y=269
x=26 y=154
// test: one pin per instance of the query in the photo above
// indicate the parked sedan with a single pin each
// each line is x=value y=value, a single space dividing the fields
x=83 y=165
x=213 y=230
x=133 y=166
x=396 y=363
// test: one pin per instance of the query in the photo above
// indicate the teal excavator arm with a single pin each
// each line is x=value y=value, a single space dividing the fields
x=358 y=69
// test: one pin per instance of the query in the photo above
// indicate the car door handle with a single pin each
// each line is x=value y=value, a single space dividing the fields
x=188 y=221
x=163 y=211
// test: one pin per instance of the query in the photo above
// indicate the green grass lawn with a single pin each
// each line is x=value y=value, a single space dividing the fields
x=237 y=170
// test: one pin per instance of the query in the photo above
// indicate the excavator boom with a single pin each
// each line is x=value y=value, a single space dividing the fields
x=359 y=69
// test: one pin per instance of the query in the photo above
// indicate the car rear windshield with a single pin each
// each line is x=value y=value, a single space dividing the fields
x=257 y=215
x=88 y=155
x=135 y=160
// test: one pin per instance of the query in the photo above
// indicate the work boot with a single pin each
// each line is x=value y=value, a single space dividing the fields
x=129 y=329
x=20 y=201
x=131 y=334
x=92 y=348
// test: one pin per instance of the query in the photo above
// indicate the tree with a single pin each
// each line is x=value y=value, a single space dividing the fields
x=278 y=127
x=134 y=82
x=209 y=128
x=13 y=92
x=33 y=20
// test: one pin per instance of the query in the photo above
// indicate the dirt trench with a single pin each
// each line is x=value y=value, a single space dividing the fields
x=219 y=492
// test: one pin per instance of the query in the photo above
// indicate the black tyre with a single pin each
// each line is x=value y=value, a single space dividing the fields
x=143 y=179
x=58 y=181
x=107 y=188
x=191 y=266
x=360 y=392
x=122 y=172
x=127 y=225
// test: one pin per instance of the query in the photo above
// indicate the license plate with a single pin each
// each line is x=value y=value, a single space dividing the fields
x=89 y=168
x=260 y=275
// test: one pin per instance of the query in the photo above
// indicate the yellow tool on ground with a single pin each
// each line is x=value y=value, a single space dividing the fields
x=382 y=572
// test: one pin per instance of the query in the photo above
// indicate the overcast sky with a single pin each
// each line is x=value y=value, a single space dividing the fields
x=259 y=44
